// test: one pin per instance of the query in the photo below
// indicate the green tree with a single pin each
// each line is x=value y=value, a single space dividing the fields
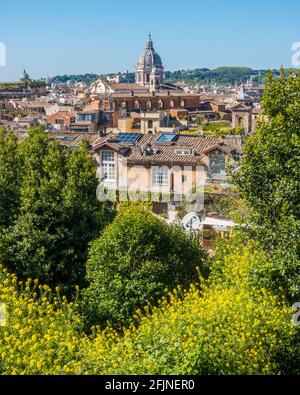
x=59 y=213
x=133 y=262
x=9 y=178
x=269 y=180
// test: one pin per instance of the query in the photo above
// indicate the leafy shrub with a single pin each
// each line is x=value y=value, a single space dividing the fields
x=132 y=263
x=226 y=327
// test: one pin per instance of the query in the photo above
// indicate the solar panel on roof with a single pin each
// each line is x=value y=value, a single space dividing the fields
x=167 y=138
x=129 y=138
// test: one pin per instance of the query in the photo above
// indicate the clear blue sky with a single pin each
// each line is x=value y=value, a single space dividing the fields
x=72 y=37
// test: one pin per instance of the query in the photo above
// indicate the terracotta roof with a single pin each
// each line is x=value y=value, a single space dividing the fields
x=158 y=94
x=75 y=139
x=124 y=86
x=66 y=115
x=93 y=106
x=166 y=153
x=66 y=139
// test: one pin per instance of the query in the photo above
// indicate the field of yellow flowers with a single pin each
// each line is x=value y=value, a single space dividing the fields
x=224 y=326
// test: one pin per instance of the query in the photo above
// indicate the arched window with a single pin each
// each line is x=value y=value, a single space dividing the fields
x=137 y=105
x=149 y=105
x=182 y=103
x=172 y=103
x=160 y=104
x=124 y=105
x=147 y=77
x=150 y=124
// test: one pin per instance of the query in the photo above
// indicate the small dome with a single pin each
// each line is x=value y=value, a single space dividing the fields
x=24 y=76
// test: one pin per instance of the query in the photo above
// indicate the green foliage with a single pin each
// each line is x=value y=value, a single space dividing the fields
x=86 y=78
x=90 y=78
x=269 y=180
x=58 y=212
x=221 y=75
x=12 y=86
x=228 y=327
x=136 y=258
x=9 y=178
x=21 y=85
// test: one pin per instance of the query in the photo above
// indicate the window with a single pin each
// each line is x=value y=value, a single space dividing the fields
x=150 y=124
x=167 y=138
x=136 y=105
x=217 y=163
x=160 y=176
x=108 y=165
x=235 y=155
x=86 y=117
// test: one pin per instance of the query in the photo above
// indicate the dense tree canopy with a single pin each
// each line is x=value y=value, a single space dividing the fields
x=58 y=210
x=221 y=75
x=132 y=263
x=9 y=178
x=269 y=180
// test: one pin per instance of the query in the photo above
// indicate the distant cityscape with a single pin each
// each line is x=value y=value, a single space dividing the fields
x=150 y=219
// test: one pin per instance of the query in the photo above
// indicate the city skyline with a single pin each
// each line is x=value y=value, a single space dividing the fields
x=62 y=39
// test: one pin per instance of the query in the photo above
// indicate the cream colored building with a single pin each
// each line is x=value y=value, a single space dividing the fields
x=172 y=165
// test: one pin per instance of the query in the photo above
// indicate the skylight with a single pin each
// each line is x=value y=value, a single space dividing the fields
x=167 y=138
x=69 y=138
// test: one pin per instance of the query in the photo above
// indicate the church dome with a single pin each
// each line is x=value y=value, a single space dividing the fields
x=24 y=76
x=149 y=58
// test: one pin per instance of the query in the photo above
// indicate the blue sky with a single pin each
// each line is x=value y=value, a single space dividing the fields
x=72 y=37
